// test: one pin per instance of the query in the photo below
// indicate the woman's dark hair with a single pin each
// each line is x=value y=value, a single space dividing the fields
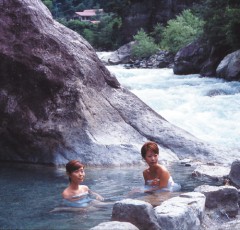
x=73 y=165
x=150 y=145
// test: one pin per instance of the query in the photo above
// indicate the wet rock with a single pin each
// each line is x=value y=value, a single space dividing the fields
x=233 y=225
x=190 y=59
x=229 y=67
x=211 y=173
x=139 y=213
x=115 y=225
x=234 y=174
x=215 y=220
x=223 y=198
x=122 y=55
x=198 y=58
x=181 y=213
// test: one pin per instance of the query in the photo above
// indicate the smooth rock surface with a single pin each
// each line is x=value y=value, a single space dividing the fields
x=137 y=212
x=234 y=174
x=229 y=67
x=181 y=213
x=211 y=173
x=222 y=198
x=115 y=225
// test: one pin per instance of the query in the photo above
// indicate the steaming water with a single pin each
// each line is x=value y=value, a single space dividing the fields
x=209 y=108
x=30 y=192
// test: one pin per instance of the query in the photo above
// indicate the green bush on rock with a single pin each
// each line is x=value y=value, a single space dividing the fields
x=181 y=31
x=144 y=46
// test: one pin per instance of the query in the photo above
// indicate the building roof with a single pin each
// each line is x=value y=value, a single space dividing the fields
x=89 y=13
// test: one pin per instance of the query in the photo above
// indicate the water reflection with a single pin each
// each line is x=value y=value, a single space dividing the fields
x=30 y=192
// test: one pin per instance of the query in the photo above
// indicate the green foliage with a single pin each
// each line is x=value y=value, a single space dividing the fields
x=89 y=35
x=107 y=32
x=232 y=27
x=77 y=25
x=181 y=31
x=157 y=33
x=144 y=46
x=222 y=26
x=48 y=3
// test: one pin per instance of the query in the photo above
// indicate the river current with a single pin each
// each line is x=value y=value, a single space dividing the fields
x=208 y=108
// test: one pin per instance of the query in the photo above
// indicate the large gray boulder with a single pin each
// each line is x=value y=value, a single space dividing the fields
x=234 y=174
x=229 y=67
x=139 y=213
x=190 y=59
x=215 y=174
x=222 y=198
x=198 y=58
x=59 y=102
x=184 y=212
x=122 y=55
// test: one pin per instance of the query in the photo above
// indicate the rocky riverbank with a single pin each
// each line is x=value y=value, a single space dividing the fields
x=195 y=58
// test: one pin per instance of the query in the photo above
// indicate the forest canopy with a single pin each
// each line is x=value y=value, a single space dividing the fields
x=216 y=21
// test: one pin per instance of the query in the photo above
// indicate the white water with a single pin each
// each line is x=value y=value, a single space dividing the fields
x=209 y=108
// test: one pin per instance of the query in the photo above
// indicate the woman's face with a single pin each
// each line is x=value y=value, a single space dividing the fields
x=151 y=158
x=78 y=175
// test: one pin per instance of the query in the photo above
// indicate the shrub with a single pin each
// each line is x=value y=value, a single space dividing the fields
x=157 y=33
x=144 y=46
x=181 y=31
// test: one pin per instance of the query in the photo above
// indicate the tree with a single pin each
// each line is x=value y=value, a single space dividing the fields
x=222 y=27
x=144 y=46
x=157 y=33
x=181 y=31
x=107 y=32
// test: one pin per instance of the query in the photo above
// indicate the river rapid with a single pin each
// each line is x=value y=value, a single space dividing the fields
x=208 y=108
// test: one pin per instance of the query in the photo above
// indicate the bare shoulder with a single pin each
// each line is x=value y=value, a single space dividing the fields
x=162 y=168
x=65 y=193
x=145 y=171
x=163 y=172
x=84 y=188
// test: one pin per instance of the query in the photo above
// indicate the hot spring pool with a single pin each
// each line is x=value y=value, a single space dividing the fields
x=29 y=192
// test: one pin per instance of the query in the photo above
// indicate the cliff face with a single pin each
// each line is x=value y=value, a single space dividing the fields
x=145 y=14
x=59 y=102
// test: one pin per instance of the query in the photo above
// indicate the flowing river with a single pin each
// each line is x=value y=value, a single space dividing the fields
x=208 y=108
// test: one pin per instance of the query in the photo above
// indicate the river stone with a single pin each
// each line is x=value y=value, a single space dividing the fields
x=115 y=225
x=190 y=59
x=222 y=198
x=181 y=213
x=229 y=67
x=122 y=55
x=234 y=174
x=137 y=212
x=231 y=225
x=59 y=102
x=211 y=173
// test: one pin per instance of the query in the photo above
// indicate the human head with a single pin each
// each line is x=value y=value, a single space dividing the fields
x=150 y=145
x=73 y=165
